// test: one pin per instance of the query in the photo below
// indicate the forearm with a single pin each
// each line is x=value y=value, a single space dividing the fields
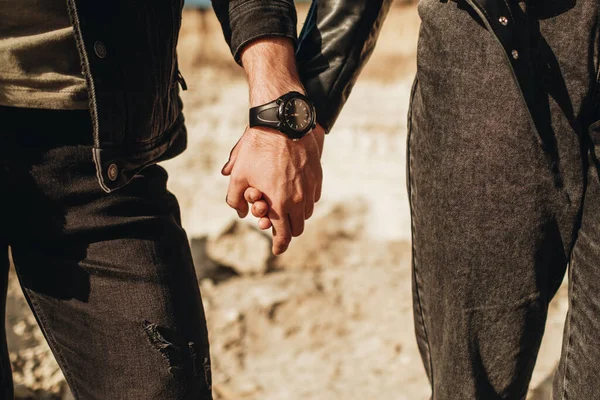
x=287 y=172
x=270 y=67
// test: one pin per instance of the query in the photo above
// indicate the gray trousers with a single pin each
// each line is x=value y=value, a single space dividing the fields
x=504 y=196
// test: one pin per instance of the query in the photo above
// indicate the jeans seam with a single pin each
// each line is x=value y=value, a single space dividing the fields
x=510 y=10
x=38 y=310
x=85 y=63
x=596 y=101
x=568 y=330
x=596 y=89
x=421 y=313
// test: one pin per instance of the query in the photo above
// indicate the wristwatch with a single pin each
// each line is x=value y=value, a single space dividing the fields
x=292 y=114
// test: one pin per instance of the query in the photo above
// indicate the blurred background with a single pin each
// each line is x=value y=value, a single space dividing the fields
x=331 y=319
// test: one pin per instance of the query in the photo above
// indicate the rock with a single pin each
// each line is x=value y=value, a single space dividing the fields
x=23 y=392
x=330 y=237
x=544 y=389
x=241 y=247
x=67 y=395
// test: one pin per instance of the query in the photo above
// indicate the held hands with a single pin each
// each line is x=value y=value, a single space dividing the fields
x=281 y=178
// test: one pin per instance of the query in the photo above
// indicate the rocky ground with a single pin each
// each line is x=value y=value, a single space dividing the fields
x=332 y=318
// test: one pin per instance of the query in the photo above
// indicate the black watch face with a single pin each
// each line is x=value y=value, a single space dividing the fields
x=297 y=114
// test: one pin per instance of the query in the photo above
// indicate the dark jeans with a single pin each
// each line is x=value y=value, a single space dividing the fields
x=503 y=198
x=109 y=276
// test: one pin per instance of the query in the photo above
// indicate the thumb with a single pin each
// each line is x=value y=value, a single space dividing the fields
x=228 y=167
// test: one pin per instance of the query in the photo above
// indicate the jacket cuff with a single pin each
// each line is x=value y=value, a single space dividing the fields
x=253 y=19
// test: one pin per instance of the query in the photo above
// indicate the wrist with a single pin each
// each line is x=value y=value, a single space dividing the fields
x=263 y=94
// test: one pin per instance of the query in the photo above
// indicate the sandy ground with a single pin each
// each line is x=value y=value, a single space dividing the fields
x=333 y=318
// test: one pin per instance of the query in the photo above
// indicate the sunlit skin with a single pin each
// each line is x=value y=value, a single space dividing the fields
x=289 y=174
x=279 y=177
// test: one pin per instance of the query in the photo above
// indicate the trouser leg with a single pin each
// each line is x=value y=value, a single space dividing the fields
x=108 y=276
x=6 y=381
x=495 y=198
x=579 y=368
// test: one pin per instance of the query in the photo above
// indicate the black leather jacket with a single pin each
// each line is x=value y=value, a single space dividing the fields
x=128 y=55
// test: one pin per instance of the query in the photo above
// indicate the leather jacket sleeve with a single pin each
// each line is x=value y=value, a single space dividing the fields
x=245 y=20
x=336 y=42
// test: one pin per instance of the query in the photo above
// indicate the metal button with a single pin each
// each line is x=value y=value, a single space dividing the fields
x=100 y=49
x=503 y=20
x=515 y=54
x=113 y=172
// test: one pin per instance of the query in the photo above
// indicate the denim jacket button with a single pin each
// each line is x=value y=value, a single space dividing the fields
x=113 y=172
x=100 y=49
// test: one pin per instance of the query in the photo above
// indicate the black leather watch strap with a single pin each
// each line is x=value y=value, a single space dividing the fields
x=266 y=115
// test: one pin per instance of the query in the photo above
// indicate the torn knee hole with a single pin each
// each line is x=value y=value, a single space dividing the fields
x=170 y=351
x=178 y=356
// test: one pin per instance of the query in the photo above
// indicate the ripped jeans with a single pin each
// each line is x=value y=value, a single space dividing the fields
x=109 y=277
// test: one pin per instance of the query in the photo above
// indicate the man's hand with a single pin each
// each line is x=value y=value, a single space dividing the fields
x=286 y=174
x=280 y=177
x=259 y=206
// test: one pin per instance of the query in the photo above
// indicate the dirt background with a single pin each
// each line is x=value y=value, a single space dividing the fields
x=331 y=319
